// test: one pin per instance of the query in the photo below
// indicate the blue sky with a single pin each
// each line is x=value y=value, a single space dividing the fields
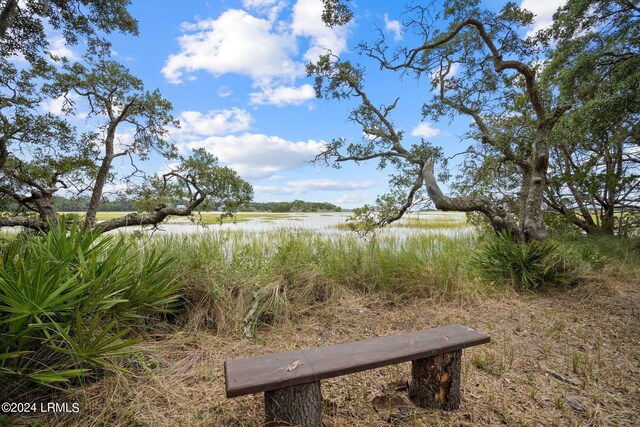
x=234 y=72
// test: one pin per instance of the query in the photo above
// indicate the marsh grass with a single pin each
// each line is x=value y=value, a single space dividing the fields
x=215 y=218
x=236 y=281
x=433 y=222
x=203 y=217
x=424 y=222
x=239 y=280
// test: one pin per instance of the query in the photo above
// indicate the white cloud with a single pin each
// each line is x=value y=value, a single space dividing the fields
x=224 y=92
x=283 y=95
x=124 y=140
x=257 y=155
x=302 y=186
x=215 y=122
x=424 y=130
x=544 y=10
x=307 y=22
x=393 y=26
x=58 y=47
x=111 y=188
x=269 y=8
x=54 y=105
x=235 y=42
x=57 y=106
x=271 y=51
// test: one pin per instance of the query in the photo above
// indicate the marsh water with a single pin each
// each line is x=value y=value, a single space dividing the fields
x=329 y=224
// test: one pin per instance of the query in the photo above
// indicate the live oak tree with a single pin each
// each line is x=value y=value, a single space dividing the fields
x=41 y=154
x=25 y=61
x=23 y=25
x=595 y=63
x=480 y=67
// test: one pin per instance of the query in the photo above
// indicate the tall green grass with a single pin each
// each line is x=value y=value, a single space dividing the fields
x=68 y=300
x=238 y=280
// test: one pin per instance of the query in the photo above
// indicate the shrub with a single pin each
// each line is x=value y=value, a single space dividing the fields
x=524 y=265
x=67 y=300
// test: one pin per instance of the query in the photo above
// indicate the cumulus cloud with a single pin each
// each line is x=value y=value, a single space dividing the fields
x=267 y=50
x=235 y=42
x=298 y=187
x=124 y=140
x=544 y=10
x=224 y=92
x=59 y=48
x=257 y=156
x=283 y=95
x=58 y=106
x=393 y=26
x=54 y=106
x=215 y=122
x=269 y=8
x=424 y=130
x=307 y=21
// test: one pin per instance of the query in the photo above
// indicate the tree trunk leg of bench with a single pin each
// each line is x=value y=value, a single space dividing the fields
x=293 y=406
x=435 y=381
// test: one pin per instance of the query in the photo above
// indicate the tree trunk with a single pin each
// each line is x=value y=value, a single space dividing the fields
x=532 y=225
x=499 y=218
x=101 y=180
x=7 y=15
x=292 y=406
x=436 y=381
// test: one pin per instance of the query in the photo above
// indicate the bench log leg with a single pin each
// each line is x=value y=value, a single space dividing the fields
x=293 y=406
x=435 y=381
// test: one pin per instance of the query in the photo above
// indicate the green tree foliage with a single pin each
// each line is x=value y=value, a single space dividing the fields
x=595 y=174
x=295 y=206
x=495 y=78
x=24 y=25
x=40 y=154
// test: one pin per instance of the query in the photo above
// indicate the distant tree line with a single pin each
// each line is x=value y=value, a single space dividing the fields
x=295 y=206
x=123 y=204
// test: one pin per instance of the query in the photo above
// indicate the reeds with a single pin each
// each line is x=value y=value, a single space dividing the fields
x=238 y=280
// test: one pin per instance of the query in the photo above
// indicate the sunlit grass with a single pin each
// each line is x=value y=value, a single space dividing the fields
x=100 y=216
x=240 y=279
x=214 y=217
x=203 y=217
x=425 y=220
x=431 y=223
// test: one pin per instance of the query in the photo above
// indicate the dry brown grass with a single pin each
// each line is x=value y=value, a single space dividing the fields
x=590 y=335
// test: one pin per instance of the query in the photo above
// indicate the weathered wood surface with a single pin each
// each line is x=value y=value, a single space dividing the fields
x=300 y=405
x=276 y=371
x=435 y=381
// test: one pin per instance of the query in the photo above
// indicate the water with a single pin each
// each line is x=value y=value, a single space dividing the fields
x=326 y=224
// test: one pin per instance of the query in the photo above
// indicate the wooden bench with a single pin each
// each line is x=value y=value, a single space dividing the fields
x=291 y=380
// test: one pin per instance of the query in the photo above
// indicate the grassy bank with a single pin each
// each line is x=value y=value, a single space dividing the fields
x=237 y=280
x=246 y=294
x=203 y=217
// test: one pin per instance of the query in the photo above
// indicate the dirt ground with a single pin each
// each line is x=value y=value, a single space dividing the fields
x=558 y=358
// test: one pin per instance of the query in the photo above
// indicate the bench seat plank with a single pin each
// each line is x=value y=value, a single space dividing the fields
x=276 y=371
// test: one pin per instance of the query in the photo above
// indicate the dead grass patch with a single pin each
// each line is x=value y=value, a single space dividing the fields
x=589 y=336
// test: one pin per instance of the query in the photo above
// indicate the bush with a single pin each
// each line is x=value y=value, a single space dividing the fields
x=67 y=300
x=524 y=265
